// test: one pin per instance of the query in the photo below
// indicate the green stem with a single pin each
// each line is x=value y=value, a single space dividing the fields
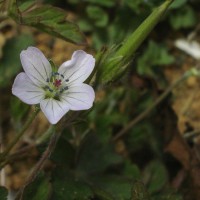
x=137 y=37
x=19 y=135
x=149 y=109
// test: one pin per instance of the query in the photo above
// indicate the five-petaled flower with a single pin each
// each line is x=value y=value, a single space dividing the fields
x=59 y=91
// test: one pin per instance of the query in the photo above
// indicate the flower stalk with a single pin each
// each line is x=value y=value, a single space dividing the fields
x=117 y=60
x=136 y=38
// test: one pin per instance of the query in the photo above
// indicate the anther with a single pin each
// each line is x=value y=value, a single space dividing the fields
x=66 y=80
x=66 y=88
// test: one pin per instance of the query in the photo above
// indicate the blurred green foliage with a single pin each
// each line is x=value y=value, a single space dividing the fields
x=10 y=63
x=87 y=164
x=3 y=193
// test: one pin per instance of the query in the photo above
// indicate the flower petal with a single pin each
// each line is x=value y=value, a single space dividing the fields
x=53 y=109
x=79 y=97
x=36 y=66
x=78 y=68
x=26 y=90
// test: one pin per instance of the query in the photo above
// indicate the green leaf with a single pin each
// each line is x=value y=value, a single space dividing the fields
x=18 y=110
x=155 y=55
x=3 y=193
x=100 y=156
x=25 y=4
x=107 y=3
x=132 y=170
x=156 y=177
x=39 y=189
x=167 y=196
x=10 y=63
x=70 y=190
x=118 y=187
x=134 y=5
x=64 y=153
x=183 y=18
x=139 y=192
x=98 y=15
x=51 y=20
x=177 y=4
x=116 y=64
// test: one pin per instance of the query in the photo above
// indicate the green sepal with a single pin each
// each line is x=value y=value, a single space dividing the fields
x=116 y=60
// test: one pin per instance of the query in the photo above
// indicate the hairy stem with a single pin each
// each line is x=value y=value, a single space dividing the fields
x=54 y=138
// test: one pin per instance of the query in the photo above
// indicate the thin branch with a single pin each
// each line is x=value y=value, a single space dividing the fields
x=54 y=138
x=147 y=111
x=18 y=136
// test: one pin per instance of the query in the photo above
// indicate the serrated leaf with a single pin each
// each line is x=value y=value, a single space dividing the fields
x=3 y=193
x=51 y=20
x=10 y=63
x=39 y=189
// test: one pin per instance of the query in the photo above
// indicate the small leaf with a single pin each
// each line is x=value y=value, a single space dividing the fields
x=155 y=55
x=51 y=20
x=64 y=153
x=98 y=15
x=101 y=156
x=183 y=18
x=3 y=193
x=156 y=176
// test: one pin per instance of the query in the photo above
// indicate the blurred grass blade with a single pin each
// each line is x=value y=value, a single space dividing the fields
x=49 y=19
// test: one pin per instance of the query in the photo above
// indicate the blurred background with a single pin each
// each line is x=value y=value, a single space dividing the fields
x=158 y=151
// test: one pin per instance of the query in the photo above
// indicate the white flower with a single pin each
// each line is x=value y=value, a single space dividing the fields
x=57 y=92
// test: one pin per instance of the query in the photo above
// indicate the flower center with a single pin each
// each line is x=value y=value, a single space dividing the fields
x=57 y=83
x=55 y=86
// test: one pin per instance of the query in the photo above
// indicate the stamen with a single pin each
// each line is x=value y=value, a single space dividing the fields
x=57 y=83
x=47 y=80
x=67 y=80
x=66 y=88
x=62 y=75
